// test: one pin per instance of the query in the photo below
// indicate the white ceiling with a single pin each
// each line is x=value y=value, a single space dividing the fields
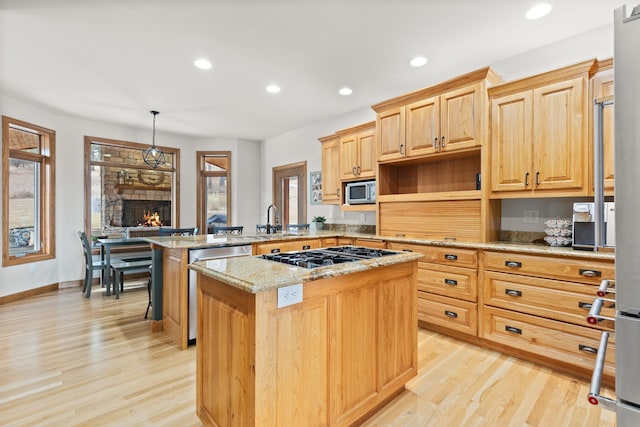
x=114 y=60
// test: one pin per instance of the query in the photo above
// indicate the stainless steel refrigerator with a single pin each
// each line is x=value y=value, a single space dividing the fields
x=627 y=198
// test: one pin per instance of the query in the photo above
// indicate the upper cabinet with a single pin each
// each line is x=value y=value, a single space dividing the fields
x=358 y=152
x=330 y=170
x=602 y=86
x=539 y=137
x=446 y=117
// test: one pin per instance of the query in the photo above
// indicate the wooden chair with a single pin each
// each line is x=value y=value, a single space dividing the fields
x=90 y=265
x=297 y=227
x=236 y=230
x=262 y=228
x=168 y=232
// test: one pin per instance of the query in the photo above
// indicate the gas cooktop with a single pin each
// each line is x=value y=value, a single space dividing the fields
x=328 y=256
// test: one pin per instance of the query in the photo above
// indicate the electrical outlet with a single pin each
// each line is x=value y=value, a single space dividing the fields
x=530 y=216
x=289 y=295
x=363 y=218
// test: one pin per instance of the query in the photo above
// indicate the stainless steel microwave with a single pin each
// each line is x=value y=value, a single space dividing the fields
x=360 y=193
x=584 y=225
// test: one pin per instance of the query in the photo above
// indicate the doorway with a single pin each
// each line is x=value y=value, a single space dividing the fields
x=290 y=192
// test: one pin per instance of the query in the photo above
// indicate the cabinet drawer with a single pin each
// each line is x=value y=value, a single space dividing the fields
x=295 y=245
x=556 y=340
x=440 y=255
x=578 y=270
x=371 y=243
x=448 y=281
x=553 y=299
x=461 y=316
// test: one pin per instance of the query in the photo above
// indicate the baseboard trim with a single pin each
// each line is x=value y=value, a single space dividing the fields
x=28 y=294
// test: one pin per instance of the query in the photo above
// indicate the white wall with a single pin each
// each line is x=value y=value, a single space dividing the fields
x=302 y=144
x=70 y=132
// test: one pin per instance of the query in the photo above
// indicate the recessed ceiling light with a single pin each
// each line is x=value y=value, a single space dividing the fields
x=273 y=88
x=538 y=11
x=418 y=61
x=345 y=91
x=203 y=64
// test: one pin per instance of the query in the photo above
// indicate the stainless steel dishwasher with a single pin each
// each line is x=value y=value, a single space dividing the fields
x=217 y=253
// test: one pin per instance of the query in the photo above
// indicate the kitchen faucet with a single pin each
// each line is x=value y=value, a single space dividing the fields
x=275 y=218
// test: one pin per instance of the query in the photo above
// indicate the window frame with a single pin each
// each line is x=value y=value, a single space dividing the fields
x=88 y=162
x=46 y=191
x=202 y=175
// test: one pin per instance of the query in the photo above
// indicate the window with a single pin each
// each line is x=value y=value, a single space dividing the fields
x=290 y=192
x=28 y=176
x=214 y=189
x=122 y=191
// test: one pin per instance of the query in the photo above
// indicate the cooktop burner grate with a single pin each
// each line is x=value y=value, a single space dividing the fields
x=329 y=256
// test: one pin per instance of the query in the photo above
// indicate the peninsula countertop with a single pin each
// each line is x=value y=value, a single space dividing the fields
x=254 y=274
x=210 y=240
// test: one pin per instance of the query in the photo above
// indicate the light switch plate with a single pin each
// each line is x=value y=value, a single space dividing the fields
x=289 y=295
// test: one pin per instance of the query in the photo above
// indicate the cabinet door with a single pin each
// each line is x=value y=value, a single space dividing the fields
x=603 y=86
x=367 y=154
x=423 y=127
x=559 y=113
x=348 y=157
x=511 y=142
x=390 y=134
x=461 y=118
x=330 y=169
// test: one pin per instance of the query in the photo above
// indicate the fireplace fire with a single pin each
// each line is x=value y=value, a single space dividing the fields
x=152 y=220
x=139 y=212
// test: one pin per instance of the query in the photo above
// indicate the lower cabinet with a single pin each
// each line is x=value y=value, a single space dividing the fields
x=539 y=305
x=286 y=246
x=447 y=286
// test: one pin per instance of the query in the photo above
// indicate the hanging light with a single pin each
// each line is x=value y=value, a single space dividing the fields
x=153 y=156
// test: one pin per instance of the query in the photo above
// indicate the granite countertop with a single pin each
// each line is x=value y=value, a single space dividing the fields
x=209 y=240
x=254 y=274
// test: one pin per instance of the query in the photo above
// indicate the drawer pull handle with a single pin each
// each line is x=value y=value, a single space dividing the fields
x=590 y=273
x=451 y=257
x=451 y=238
x=451 y=282
x=399 y=234
x=513 y=292
x=305 y=247
x=451 y=314
x=585 y=305
x=513 y=264
x=513 y=330
x=275 y=251
x=407 y=250
x=587 y=349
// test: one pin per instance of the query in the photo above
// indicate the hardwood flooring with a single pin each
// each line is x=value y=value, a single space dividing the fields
x=70 y=361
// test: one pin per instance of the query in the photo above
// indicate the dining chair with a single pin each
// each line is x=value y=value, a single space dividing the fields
x=178 y=231
x=167 y=232
x=228 y=230
x=297 y=227
x=262 y=228
x=90 y=265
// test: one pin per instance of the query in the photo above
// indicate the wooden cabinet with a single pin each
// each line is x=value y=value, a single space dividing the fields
x=175 y=295
x=370 y=243
x=358 y=152
x=447 y=286
x=539 y=135
x=539 y=304
x=350 y=345
x=331 y=170
x=447 y=117
x=286 y=246
x=602 y=86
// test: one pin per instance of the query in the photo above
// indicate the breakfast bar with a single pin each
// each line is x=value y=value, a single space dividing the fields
x=281 y=344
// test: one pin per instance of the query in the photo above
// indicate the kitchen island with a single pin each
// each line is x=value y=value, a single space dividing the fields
x=280 y=345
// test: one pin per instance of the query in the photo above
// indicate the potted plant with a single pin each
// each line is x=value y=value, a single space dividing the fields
x=319 y=221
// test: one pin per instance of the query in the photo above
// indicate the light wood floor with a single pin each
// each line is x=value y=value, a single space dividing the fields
x=69 y=361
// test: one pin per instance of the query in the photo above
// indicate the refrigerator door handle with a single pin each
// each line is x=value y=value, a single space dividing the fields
x=605 y=289
x=594 y=316
x=594 y=391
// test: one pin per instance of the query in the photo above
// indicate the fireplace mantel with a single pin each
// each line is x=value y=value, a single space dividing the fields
x=121 y=187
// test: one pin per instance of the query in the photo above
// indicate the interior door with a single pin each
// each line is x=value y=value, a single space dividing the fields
x=290 y=193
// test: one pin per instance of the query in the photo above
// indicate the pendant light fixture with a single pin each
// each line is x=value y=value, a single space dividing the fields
x=153 y=156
